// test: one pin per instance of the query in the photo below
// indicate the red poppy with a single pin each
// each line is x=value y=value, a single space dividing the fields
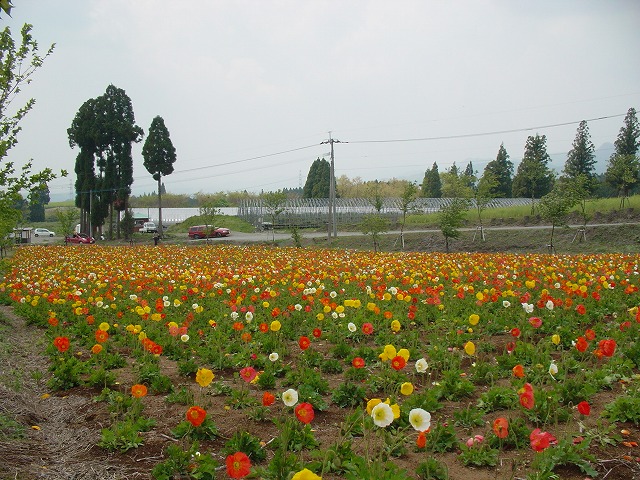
x=536 y=322
x=584 y=408
x=501 y=427
x=398 y=362
x=367 y=328
x=248 y=374
x=511 y=346
x=358 y=362
x=608 y=347
x=61 y=343
x=317 y=333
x=526 y=396
x=264 y=328
x=581 y=309
x=625 y=325
x=527 y=401
x=138 y=390
x=268 y=399
x=541 y=440
x=421 y=441
x=304 y=412
x=238 y=326
x=238 y=465
x=196 y=415
x=589 y=334
x=518 y=371
x=304 y=342
x=53 y=321
x=515 y=332
x=581 y=344
x=101 y=336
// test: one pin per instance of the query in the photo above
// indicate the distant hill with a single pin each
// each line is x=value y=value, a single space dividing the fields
x=603 y=152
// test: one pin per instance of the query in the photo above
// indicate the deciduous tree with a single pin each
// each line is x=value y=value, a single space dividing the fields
x=18 y=63
x=406 y=201
x=554 y=207
x=374 y=224
x=273 y=203
x=451 y=218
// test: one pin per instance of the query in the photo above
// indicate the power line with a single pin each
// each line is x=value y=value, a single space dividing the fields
x=246 y=159
x=483 y=134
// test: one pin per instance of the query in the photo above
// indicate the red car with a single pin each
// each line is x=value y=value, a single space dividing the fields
x=202 y=231
x=80 y=238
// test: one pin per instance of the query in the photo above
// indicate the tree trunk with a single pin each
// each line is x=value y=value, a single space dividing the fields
x=160 y=229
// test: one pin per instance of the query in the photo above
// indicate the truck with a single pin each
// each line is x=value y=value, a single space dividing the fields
x=148 y=227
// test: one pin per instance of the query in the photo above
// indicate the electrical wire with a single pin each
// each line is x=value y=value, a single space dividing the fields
x=483 y=134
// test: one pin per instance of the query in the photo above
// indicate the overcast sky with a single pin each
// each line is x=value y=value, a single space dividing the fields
x=236 y=80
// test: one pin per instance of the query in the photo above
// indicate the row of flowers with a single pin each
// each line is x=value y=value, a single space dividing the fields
x=267 y=309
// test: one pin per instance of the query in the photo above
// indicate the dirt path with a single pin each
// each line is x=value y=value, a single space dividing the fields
x=41 y=436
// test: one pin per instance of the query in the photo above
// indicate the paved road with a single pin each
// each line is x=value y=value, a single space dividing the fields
x=268 y=236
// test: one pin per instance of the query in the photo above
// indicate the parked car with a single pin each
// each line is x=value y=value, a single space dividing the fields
x=148 y=227
x=203 y=231
x=81 y=238
x=43 y=232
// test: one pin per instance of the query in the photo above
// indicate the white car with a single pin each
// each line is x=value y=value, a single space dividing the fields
x=148 y=227
x=43 y=232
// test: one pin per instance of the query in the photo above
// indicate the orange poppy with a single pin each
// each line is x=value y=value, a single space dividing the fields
x=196 y=415
x=501 y=427
x=101 y=336
x=398 y=362
x=358 y=362
x=608 y=347
x=518 y=371
x=421 y=441
x=304 y=342
x=581 y=344
x=61 y=343
x=138 y=390
x=238 y=465
x=268 y=399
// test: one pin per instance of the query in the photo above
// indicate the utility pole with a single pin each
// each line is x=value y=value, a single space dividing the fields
x=332 y=223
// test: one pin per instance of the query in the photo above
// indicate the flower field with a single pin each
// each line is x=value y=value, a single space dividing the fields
x=275 y=363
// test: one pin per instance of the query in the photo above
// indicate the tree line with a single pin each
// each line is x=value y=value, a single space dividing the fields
x=104 y=130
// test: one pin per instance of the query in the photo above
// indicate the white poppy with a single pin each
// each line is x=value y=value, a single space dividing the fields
x=290 y=397
x=421 y=365
x=420 y=419
x=382 y=415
